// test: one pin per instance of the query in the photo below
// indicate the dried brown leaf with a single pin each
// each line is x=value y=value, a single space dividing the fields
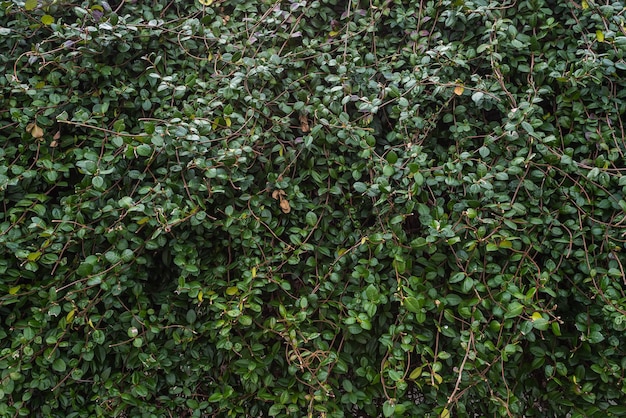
x=284 y=206
x=278 y=194
x=36 y=132
x=304 y=123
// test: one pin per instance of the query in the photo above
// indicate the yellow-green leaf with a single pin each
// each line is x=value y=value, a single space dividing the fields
x=505 y=243
x=232 y=291
x=417 y=372
x=584 y=5
x=206 y=2
x=47 y=20
x=31 y=5
x=445 y=413
x=70 y=316
x=600 y=35
x=34 y=256
x=13 y=290
x=438 y=378
x=536 y=315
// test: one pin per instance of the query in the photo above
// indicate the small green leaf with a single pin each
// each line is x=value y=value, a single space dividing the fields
x=360 y=187
x=157 y=140
x=514 y=309
x=97 y=182
x=216 y=397
x=192 y=403
x=492 y=247
x=618 y=410
x=467 y=285
x=191 y=316
x=245 y=320
x=311 y=218
x=59 y=365
x=118 y=125
x=389 y=408
x=141 y=391
x=457 y=277
x=372 y=293
x=233 y=313
x=541 y=324
x=132 y=332
x=125 y=202
x=412 y=304
x=477 y=97
x=595 y=337
x=392 y=157
x=94 y=281
x=112 y=257
x=98 y=336
x=85 y=269
x=144 y=150
x=274 y=409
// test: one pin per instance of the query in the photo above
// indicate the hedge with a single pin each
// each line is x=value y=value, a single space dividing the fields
x=312 y=208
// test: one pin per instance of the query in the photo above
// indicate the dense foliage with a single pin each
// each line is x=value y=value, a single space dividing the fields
x=312 y=208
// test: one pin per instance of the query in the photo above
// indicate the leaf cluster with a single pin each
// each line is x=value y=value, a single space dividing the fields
x=312 y=208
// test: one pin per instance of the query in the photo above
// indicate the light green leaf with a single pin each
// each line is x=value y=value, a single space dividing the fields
x=389 y=408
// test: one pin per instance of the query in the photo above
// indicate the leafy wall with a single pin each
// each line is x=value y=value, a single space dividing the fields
x=312 y=208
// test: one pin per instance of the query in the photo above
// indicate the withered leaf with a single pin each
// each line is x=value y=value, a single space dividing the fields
x=278 y=194
x=36 y=132
x=304 y=123
x=284 y=206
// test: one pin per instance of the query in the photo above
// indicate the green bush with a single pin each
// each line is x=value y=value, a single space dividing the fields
x=312 y=208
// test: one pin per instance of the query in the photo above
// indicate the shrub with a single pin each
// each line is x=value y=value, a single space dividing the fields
x=312 y=208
